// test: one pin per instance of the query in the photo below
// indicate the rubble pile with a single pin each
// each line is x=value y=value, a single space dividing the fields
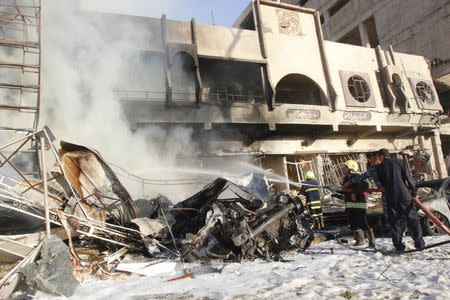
x=228 y=220
x=78 y=222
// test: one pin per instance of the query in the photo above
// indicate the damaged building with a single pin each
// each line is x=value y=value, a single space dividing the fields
x=271 y=88
x=372 y=23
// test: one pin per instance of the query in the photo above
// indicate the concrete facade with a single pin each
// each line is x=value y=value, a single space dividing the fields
x=410 y=26
x=272 y=87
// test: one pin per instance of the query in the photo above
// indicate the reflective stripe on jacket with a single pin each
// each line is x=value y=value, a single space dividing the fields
x=311 y=190
x=357 y=198
x=315 y=204
x=360 y=205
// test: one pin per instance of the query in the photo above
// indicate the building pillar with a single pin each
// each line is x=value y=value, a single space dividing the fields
x=438 y=154
x=286 y=174
x=365 y=42
x=362 y=162
x=318 y=162
x=326 y=19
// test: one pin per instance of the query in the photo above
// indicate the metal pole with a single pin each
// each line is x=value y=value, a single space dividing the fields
x=38 y=104
x=44 y=178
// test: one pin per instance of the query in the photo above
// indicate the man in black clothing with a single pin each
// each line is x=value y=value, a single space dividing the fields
x=399 y=189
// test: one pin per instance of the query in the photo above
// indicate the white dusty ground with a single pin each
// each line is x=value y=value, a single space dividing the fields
x=318 y=273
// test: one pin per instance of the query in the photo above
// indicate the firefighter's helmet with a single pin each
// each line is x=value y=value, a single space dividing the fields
x=309 y=175
x=351 y=165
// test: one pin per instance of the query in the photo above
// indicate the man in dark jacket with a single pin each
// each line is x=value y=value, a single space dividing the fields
x=399 y=189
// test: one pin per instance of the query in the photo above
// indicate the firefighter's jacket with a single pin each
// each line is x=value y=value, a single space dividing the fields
x=310 y=189
x=357 y=198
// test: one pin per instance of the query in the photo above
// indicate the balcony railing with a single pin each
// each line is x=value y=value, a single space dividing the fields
x=141 y=95
x=226 y=96
x=218 y=96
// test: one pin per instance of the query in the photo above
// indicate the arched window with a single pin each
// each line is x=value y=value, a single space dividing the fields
x=299 y=89
x=183 y=77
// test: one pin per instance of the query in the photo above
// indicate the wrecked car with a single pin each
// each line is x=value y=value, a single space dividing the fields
x=227 y=221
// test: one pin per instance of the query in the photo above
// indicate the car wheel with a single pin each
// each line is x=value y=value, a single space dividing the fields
x=428 y=226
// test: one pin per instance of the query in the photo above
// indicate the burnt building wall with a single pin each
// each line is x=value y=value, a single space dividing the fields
x=278 y=88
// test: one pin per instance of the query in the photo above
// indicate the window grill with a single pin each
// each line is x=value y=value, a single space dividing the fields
x=425 y=92
x=359 y=89
x=230 y=96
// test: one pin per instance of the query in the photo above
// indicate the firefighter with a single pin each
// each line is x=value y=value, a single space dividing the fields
x=310 y=189
x=356 y=205
x=400 y=188
x=370 y=173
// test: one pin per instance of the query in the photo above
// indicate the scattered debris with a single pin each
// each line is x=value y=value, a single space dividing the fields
x=418 y=160
x=349 y=294
x=95 y=183
x=10 y=281
x=53 y=272
x=148 y=267
x=188 y=275
x=109 y=235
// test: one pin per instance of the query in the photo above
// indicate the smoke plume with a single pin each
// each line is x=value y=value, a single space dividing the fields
x=86 y=57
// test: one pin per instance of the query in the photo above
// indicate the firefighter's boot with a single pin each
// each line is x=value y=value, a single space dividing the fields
x=359 y=237
x=370 y=237
x=316 y=223
x=322 y=223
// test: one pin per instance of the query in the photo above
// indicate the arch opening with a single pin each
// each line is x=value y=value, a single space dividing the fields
x=299 y=89
x=183 y=72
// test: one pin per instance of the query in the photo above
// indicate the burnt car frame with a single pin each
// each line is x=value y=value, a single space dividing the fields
x=214 y=224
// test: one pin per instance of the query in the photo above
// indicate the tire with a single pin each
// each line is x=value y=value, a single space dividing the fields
x=429 y=228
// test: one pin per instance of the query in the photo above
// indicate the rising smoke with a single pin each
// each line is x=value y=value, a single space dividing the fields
x=86 y=57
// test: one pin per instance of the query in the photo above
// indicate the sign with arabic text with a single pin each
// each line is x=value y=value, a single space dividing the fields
x=303 y=114
x=356 y=116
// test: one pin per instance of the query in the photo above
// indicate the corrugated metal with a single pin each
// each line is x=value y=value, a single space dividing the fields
x=95 y=182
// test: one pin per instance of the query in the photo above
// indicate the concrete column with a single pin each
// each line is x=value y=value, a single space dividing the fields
x=326 y=19
x=318 y=161
x=286 y=174
x=421 y=141
x=363 y=160
x=364 y=35
x=438 y=154
x=326 y=16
